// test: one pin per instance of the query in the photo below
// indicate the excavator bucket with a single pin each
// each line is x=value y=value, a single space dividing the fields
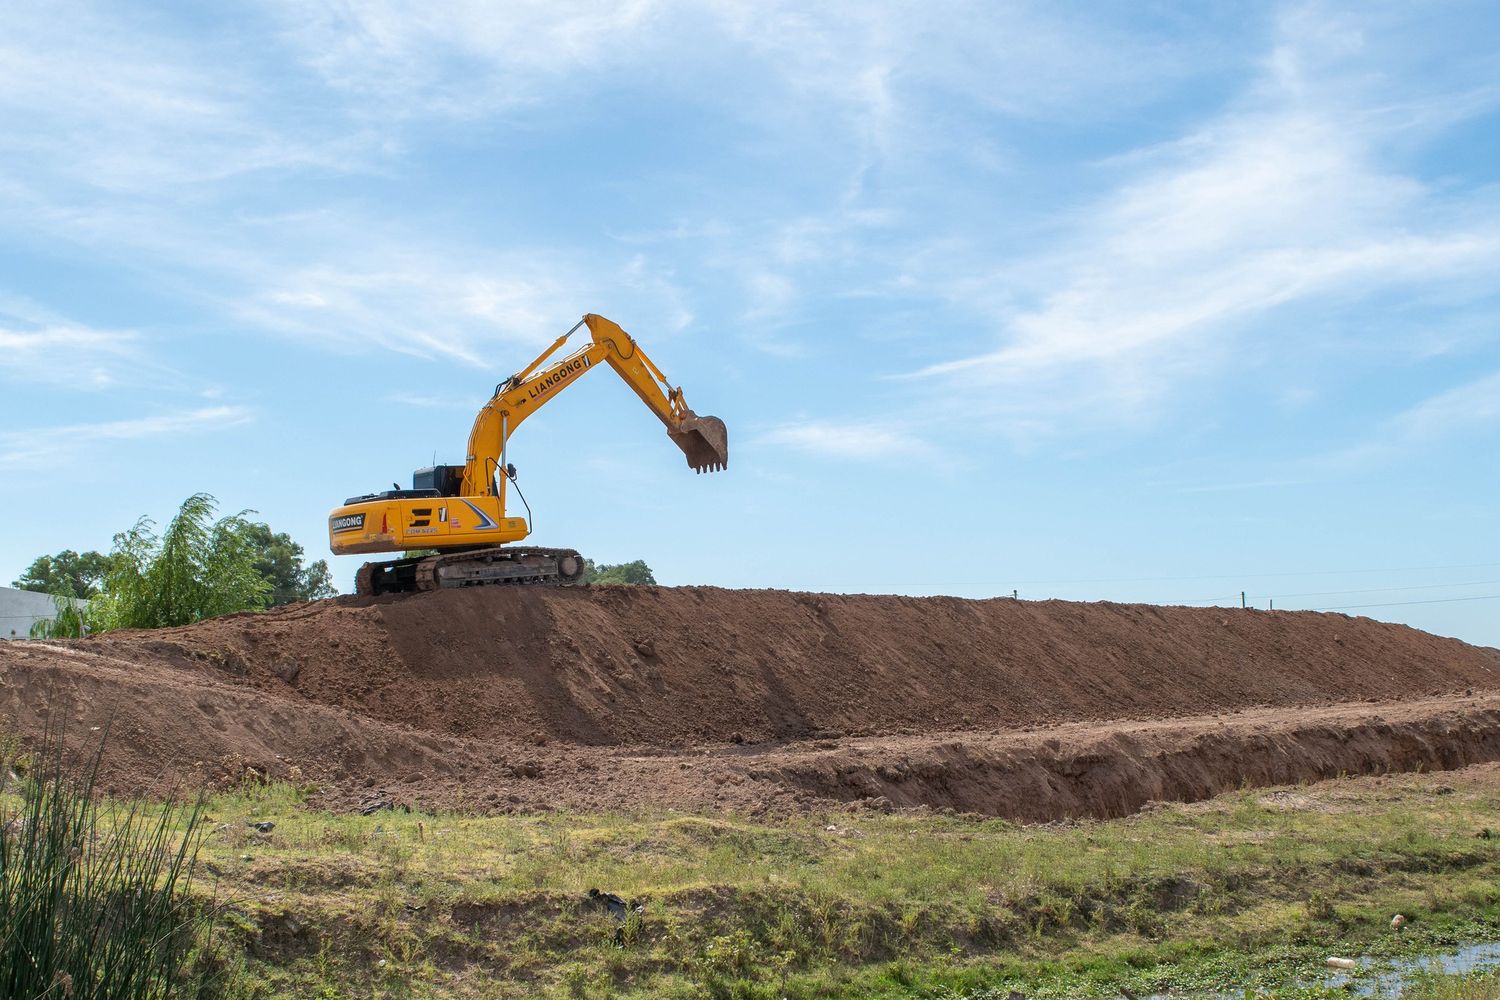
x=704 y=440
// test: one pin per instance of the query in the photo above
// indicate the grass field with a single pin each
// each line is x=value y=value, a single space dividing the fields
x=1249 y=892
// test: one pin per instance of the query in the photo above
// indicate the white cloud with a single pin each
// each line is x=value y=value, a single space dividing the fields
x=430 y=402
x=1465 y=408
x=38 y=345
x=463 y=58
x=1459 y=408
x=861 y=441
x=469 y=57
x=73 y=356
x=1291 y=195
x=46 y=444
x=127 y=107
x=473 y=308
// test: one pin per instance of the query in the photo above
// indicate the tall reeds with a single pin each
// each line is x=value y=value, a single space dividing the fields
x=94 y=895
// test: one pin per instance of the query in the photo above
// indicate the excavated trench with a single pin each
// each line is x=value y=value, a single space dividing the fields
x=1111 y=771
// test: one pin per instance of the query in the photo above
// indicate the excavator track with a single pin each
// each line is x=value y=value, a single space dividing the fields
x=500 y=566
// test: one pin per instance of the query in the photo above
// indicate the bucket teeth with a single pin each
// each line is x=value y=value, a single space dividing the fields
x=705 y=442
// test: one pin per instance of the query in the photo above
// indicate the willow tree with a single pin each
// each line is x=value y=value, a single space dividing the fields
x=197 y=567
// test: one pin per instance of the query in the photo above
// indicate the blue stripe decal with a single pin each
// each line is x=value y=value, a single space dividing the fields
x=484 y=519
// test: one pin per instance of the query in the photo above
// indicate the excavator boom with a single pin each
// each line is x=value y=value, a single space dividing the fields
x=460 y=511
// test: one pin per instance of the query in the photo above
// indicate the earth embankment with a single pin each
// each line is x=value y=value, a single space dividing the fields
x=702 y=697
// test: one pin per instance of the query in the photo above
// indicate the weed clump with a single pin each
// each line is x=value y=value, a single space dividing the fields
x=93 y=896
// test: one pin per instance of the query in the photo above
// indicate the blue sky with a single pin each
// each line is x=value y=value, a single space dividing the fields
x=1100 y=301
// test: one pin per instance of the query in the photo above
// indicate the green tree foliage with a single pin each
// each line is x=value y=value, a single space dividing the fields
x=68 y=572
x=280 y=561
x=94 y=898
x=196 y=568
x=631 y=572
x=68 y=623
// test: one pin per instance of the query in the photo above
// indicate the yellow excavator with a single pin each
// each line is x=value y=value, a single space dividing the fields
x=459 y=510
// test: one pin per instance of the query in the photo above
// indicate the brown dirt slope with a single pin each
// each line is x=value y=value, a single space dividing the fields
x=663 y=666
x=701 y=698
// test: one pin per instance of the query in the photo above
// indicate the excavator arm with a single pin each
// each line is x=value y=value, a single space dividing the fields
x=704 y=440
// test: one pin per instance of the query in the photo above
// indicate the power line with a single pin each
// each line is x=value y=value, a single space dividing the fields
x=1396 y=604
x=1240 y=576
x=1378 y=590
x=1333 y=593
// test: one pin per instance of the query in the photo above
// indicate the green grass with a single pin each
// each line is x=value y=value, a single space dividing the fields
x=1251 y=891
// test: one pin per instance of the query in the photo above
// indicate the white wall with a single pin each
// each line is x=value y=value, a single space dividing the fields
x=19 y=609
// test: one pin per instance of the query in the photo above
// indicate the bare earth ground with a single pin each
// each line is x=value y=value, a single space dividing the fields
x=701 y=698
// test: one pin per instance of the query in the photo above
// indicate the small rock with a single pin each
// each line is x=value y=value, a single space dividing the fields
x=246 y=858
x=645 y=647
x=1341 y=963
x=287 y=668
x=261 y=826
x=1443 y=790
x=1397 y=921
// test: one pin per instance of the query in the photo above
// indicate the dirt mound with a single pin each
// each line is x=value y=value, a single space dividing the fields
x=666 y=666
x=707 y=698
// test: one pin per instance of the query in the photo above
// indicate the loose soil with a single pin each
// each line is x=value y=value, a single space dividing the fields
x=699 y=698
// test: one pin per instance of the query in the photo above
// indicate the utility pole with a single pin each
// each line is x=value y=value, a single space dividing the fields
x=1242 y=598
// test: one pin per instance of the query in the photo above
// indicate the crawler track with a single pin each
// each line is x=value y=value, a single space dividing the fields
x=498 y=566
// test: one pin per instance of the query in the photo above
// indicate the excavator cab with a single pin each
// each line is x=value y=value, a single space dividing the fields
x=704 y=440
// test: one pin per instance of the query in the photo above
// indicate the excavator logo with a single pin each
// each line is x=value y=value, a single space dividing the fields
x=564 y=372
x=348 y=522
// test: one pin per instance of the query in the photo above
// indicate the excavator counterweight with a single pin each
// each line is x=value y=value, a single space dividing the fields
x=459 y=512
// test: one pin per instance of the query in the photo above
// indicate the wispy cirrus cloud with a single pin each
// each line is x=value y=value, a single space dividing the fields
x=78 y=357
x=1467 y=408
x=40 y=445
x=1297 y=193
x=95 y=103
x=861 y=441
x=38 y=345
x=473 y=309
x=473 y=58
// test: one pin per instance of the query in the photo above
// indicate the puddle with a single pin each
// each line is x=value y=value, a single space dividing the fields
x=1392 y=977
x=1384 y=977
